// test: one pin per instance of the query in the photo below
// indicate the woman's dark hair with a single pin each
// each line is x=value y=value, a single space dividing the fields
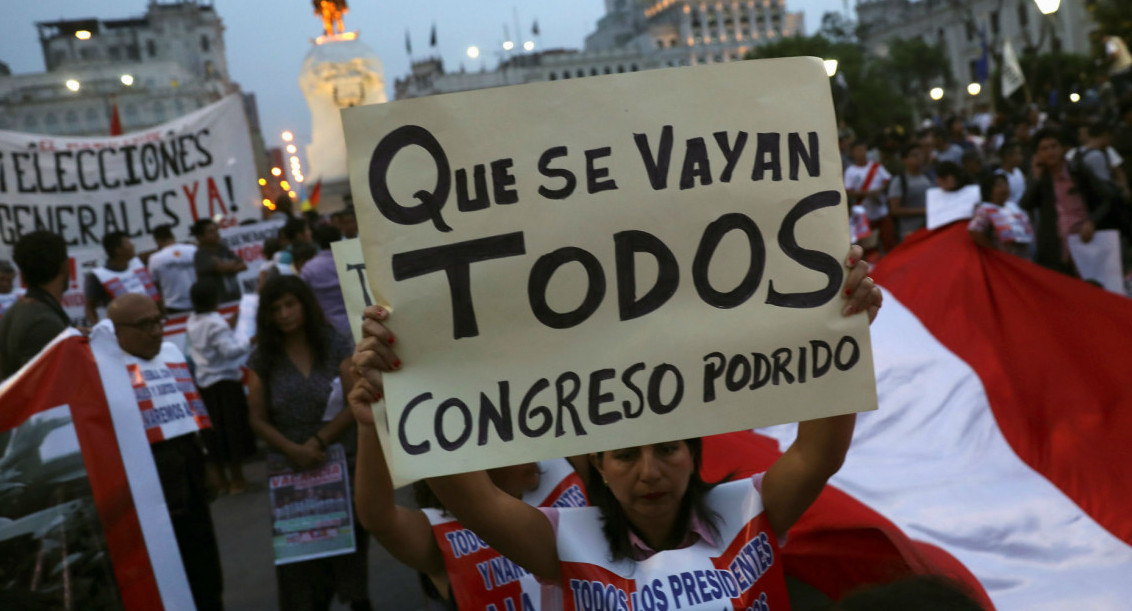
x=986 y=185
x=293 y=228
x=616 y=526
x=315 y=327
x=205 y=296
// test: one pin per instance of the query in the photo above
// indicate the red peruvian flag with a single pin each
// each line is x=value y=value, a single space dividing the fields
x=115 y=120
x=1000 y=454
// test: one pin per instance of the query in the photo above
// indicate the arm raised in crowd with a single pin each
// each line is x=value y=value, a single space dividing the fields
x=405 y=532
x=796 y=479
x=514 y=528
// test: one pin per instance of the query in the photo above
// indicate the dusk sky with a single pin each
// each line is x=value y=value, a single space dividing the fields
x=267 y=39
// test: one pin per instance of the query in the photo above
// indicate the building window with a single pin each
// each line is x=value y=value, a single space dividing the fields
x=1023 y=13
x=593 y=71
x=973 y=66
x=51 y=121
x=620 y=69
x=59 y=57
x=115 y=52
x=633 y=68
x=91 y=118
x=606 y=70
x=994 y=26
x=553 y=76
x=566 y=75
x=581 y=73
x=159 y=110
x=151 y=48
x=132 y=52
x=88 y=53
x=204 y=43
x=72 y=119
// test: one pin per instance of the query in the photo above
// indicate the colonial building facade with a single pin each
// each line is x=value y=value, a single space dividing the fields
x=633 y=35
x=159 y=66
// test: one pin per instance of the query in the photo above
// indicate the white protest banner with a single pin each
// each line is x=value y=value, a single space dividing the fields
x=945 y=207
x=606 y=262
x=168 y=399
x=1099 y=260
x=197 y=166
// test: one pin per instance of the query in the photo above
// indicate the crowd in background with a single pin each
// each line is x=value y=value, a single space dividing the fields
x=1042 y=173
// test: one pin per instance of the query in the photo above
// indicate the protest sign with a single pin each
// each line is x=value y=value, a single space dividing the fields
x=165 y=394
x=197 y=166
x=311 y=513
x=1099 y=260
x=246 y=241
x=83 y=521
x=352 y=278
x=945 y=207
x=605 y=262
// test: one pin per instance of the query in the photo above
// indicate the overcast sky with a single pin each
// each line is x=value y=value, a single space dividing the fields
x=268 y=39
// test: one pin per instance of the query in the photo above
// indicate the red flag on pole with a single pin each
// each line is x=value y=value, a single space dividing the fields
x=115 y=120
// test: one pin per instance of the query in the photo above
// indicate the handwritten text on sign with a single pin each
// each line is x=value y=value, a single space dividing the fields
x=608 y=262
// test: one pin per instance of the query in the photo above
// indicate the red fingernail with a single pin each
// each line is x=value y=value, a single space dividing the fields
x=852 y=262
x=396 y=364
x=847 y=292
x=391 y=340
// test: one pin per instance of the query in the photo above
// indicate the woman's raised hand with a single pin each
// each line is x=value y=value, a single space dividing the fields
x=861 y=294
x=374 y=354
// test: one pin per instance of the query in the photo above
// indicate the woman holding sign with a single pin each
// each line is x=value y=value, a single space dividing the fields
x=297 y=356
x=433 y=543
x=658 y=536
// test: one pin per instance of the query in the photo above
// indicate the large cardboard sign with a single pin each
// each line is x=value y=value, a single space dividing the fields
x=607 y=262
x=83 y=521
x=197 y=166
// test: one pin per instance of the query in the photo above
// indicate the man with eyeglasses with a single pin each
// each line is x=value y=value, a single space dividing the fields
x=160 y=376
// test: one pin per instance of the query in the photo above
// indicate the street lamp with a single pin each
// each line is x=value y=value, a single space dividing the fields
x=936 y=93
x=1074 y=97
x=82 y=34
x=1048 y=7
x=288 y=136
x=974 y=88
x=830 y=67
x=508 y=45
x=473 y=52
x=72 y=84
x=127 y=80
x=529 y=46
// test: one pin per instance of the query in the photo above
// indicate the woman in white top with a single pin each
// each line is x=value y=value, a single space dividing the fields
x=218 y=353
x=659 y=537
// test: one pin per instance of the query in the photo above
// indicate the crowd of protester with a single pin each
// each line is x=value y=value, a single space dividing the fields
x=1038 y=175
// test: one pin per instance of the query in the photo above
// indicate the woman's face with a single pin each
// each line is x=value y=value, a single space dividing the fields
x=1001 y=192
x=516 y=480
x=287 y=314
x=649 y=481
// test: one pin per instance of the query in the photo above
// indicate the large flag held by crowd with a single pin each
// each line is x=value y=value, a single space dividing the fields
x=999 y=454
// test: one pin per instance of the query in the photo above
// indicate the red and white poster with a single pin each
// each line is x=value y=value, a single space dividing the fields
x=83 y=522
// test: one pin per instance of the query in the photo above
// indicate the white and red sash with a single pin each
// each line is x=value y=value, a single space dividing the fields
x=134 y=279
x=743 y=570
x=1011 y=225
x=169 y=401
x=481 y=577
